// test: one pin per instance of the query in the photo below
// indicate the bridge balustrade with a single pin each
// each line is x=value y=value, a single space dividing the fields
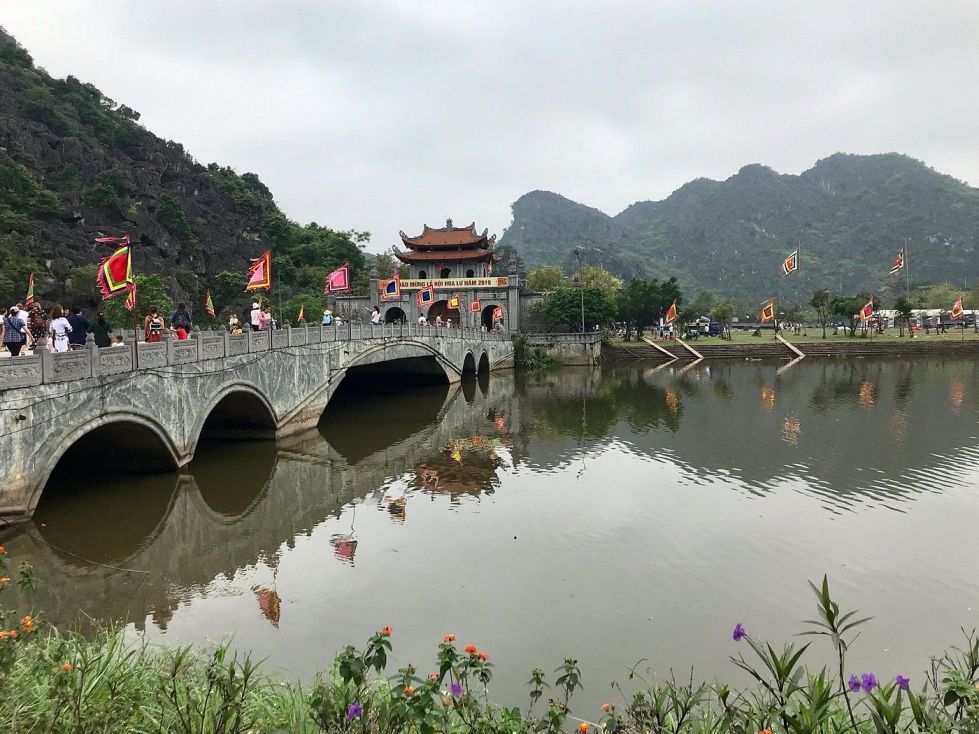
x=46 y=367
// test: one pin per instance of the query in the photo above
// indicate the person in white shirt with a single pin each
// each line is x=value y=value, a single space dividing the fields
x=256 y=317
x=376 y=316
x=422 y=320
x=58 y=330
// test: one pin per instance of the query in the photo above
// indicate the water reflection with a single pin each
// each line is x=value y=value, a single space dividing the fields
x=580 y=485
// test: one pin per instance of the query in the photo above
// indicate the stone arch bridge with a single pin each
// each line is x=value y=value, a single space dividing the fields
x=147 y=410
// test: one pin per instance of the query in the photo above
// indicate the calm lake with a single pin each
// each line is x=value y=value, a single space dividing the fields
x=614 y=515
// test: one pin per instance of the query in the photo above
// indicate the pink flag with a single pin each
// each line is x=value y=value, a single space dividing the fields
x=339 y=280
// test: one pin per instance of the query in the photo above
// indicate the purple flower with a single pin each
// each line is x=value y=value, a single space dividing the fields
x=354 y=711
x=738 y=632
x=854 y=683
x=868 y=681
x=456 y=689
x=903 y=683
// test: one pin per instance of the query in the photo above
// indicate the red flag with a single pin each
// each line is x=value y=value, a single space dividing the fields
x=339 y=280
x=768 y=312
x=209 y=305
x=260 y=272
x=474 y=306
x=671 y=313
x=867 y=311
x=898 y=262
x=116 y=272
x=130 y=303
x=29 y=301
x=957 y=309
x=426 y=296
x=791 y=263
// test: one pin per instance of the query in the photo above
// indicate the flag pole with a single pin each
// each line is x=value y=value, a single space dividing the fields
x=907 y=267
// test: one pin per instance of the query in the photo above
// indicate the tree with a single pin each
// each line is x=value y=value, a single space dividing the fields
x=150 y=291
x=823 y=305
x=848 y=307
x=641 y=303
x=700 y=306
x=562 y=308
x=545 y=279
x=722 y=313
x=591 y=277
x=904 y=307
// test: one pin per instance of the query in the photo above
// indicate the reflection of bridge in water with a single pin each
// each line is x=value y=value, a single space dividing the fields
x=238 y=504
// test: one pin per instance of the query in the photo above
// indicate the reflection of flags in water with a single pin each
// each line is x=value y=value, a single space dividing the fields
x=671 y=313
x=672 y=401
x=791 y=263
x=29 y=301
x=957 y=309
x=426 y=296
x=209 y=305
x=898 y=264
x=339 y=280
x=130 y=303
x=269 y=603
x=867 y=311
x=768 y=312
x=474 y=306
x=260 y=272
x=866 y=394
x=344 y=547
x=768 y=398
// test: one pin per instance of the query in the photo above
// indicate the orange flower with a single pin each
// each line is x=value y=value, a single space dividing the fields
x=27 y=624
x=484 y=656
x=67 y=667
x=409 y=690
x=12 y=634
x=433 y=676
x=449 y=638
x=5 y=580
x=606 y=707
x=765 y=731
x=387 y=631
x=582 y=726
x=3 y=635
x=471 y=649
x=2 y=550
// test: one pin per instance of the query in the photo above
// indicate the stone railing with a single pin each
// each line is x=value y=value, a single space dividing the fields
x=574 y=348
x=44 y=367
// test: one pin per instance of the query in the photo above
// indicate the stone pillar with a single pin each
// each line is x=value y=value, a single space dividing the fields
x=195 y=334
x=372 y=287
x=513 y=296
x=93 y=354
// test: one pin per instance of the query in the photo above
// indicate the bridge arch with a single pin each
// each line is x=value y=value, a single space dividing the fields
x=236 y=410
x=395 y=315
x=118 y=441
x=469 y=364
x=484 y=364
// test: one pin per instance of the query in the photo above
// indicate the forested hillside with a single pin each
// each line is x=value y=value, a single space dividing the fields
x=75 y=165
x=849 y=213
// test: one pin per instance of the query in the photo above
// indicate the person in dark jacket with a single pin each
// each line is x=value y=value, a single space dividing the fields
x=79 y=328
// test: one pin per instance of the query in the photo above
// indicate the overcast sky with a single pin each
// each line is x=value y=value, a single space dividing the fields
x=380 y=115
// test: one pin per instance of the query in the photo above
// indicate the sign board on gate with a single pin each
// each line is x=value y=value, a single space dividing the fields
x=494 y=281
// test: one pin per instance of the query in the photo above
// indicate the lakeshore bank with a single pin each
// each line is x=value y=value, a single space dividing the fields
x=714 y=348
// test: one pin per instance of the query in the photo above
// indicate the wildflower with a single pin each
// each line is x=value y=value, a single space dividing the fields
x=433 y=676
x=12 y=634
x=5 y=580
x=582 y=727
x=354 y=711
x=449 y=638
x=765 y=731
x=484 y=656
x=902 y=682
x=27 y=624
x=738 y=632
x=606 y=707
x=456 y=689
x=67 y=667
x=2 y=550
x=471 y=649
x=3 y=636
x=409 y=690
x=868 y=681
x=387 y=631
x=854 y=683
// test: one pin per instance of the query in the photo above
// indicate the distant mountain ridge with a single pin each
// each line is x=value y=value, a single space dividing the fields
x=849 y=213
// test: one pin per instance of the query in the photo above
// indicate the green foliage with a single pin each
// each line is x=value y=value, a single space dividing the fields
x=13 y=54
x=822 y=304
x=104 y=199
x=723 y=312
x=151 y=290
x=312 y=306
x=562 y=309
x=530 y=358
x=81 y=288
x=545 y=279
x=642 y=303
x=847 y=309
x=700 y=306
x=171 y=215
x=40 y=106
x=596 y=278
x=21 y=194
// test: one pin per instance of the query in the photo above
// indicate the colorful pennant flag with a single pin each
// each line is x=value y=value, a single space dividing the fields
x=671 y=313
x=768 y=312
x=260 y=272
x=474 y=307
x=867 y=311
x=130 y=303
x=209 y=305
x=116 y=271
x=957 y=309
x=339 y=280
x=791 y=263
x=29 y=301
x=898 y=264
x=302 y=313
x=391 y=288
x=454 y=302
x=426 y=296
x=498 y=313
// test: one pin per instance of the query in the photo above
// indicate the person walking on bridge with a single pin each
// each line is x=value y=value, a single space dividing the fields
x=14 y=331
x=153 y=326
x=59 y=329
x=181 y=318
x=256 y=317
x=79 y=329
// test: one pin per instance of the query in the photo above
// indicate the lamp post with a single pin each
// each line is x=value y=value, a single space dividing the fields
x=581 y=288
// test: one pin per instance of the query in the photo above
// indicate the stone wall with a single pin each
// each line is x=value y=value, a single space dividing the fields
x=569 y=349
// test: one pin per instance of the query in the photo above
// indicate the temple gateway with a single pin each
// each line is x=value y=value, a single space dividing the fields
x=466 y=279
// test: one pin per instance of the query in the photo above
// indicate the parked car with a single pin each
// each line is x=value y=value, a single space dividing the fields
x=841 y=328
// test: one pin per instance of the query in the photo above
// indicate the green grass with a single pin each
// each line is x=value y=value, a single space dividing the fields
x=815 y=335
